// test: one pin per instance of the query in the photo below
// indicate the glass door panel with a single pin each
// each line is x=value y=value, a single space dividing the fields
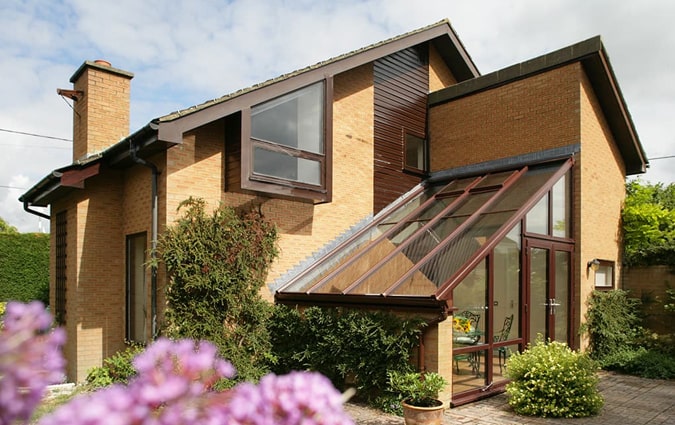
x=539 y=282
x=469 y=331
x=560 y=299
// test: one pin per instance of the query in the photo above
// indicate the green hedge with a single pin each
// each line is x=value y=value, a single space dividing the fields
x=24 y=267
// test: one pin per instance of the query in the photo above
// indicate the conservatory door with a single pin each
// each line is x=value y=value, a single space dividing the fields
x=548 y=291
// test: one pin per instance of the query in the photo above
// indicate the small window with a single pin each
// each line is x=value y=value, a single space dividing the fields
x=415 y=153
x=286 y=144
x=60 y=257
x=604 y=274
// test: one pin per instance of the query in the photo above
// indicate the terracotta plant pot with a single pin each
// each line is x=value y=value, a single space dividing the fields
x=415 y=415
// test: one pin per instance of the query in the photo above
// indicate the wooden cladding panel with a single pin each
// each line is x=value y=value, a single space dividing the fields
x=401 y=83
x=233 y=153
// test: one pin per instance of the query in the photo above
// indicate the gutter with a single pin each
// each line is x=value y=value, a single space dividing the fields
x=153 y=250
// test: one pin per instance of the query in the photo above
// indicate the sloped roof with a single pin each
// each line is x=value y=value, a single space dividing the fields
x=168 y=130
x=412 y=256
x=593 y=57
x=440 y=34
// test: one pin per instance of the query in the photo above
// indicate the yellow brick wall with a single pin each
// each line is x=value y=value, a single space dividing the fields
x=95 y=272
x=195 y=168
x=600 y=181
x=534 y=114
x=439 y=74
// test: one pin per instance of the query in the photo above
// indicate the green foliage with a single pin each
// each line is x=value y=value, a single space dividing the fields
x=550 y=379
x=116 y=369
x=217 y=265
x=643 y=362
x=352 y=348
x=649 y=224
x=612 y=322
x=417 y=389
x=6 y=227
x=24 y=267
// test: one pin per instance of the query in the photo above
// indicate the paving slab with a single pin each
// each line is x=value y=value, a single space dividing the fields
x=629 y=400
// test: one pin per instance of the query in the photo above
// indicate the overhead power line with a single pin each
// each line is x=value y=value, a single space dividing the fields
x=12 y=187
x=35 y=135
x=662 y=157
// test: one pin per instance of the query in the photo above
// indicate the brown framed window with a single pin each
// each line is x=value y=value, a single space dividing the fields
x=286 y=143
x=603 y=274
x=415 y=153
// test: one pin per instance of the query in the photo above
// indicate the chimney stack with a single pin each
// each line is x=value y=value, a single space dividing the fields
x=101 y=116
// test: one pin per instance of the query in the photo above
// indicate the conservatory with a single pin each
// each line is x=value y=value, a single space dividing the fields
x=485 y=257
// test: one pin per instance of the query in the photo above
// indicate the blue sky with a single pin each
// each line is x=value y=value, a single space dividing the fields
x=185 y=52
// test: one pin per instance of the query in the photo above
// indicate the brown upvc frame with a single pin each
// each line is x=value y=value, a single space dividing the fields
x=289 y=188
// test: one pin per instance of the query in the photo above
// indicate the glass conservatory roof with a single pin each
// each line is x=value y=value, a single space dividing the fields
x=413 y=253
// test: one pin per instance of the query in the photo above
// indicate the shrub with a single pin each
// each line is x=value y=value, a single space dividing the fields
x=550 y=379
x=333 y=341
x=646 y=363
x=612 y=322
x=116 y=369
x=24 y=267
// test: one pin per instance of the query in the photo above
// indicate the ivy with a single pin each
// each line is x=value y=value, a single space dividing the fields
x=217 y=266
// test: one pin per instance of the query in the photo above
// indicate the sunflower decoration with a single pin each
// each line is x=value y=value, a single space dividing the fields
x=461 y=324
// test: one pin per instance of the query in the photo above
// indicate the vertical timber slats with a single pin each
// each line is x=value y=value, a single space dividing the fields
x=401 y=86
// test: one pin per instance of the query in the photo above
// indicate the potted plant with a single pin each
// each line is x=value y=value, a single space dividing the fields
x=419 y=393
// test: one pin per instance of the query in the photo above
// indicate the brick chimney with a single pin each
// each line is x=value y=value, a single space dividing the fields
x=101 y=116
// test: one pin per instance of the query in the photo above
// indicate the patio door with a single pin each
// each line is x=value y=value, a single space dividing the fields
x=548 y=277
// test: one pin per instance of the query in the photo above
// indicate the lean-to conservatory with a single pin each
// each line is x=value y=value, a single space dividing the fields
x=487 y=257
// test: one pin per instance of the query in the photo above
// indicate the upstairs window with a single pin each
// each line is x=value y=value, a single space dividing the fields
x=415 y=153
x=287 y=144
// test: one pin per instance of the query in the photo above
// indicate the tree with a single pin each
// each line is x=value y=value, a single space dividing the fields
x=649 y=224
x=6 y=227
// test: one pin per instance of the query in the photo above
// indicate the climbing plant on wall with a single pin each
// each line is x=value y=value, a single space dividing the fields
x=217 y=264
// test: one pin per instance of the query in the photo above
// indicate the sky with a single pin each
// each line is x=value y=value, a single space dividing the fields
x=185 y=52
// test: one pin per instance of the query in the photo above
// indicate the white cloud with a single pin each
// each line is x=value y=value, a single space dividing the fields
x=185 y=52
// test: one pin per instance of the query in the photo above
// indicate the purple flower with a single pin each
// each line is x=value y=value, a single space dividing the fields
x=30 y=359
x=174 y=385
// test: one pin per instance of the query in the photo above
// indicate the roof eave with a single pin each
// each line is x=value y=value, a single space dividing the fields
x=51 y=187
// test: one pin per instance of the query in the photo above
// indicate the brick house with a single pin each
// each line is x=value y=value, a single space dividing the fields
x=399 y=178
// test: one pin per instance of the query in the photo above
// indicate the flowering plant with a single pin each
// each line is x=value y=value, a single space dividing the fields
x=174 y=385
x=461 y=324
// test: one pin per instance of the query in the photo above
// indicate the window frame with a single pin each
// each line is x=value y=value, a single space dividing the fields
x=425 y=153
x=250 y=180
x=605 y=264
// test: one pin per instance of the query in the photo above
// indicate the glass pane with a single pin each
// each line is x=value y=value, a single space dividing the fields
x=562 y=209
x=358 y=245
x=294 y=120
x=537 y=218
x=500 y=357
x=468 y=330
x=468 y=299
x=562 y=279
x=415 y=152
x=284 y=166
x=506 y=290
x=538 y=292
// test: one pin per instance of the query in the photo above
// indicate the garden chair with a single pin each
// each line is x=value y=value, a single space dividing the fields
x=500 y=336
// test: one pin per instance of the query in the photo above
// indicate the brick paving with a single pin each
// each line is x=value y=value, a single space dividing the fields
x=628 y=401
